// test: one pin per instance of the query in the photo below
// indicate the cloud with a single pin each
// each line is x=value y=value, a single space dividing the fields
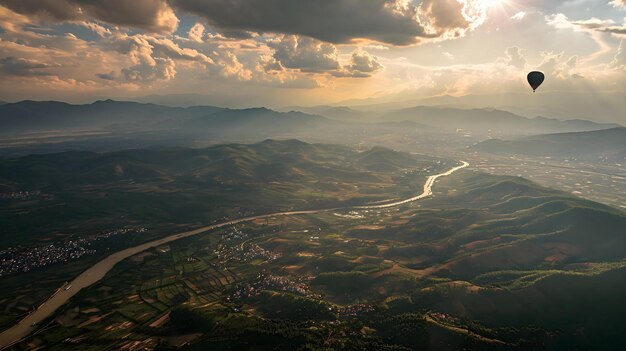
x=515 y=57
x=558 y=66
x=268 y=64
x=362 y=64
x=128 y=62
x=270 y=72
x=305 y=54
x=155 y=58
x=572 y=62
x=550 y=63
x=618 y=30
x=593 y=26
x=15 y=66
x=150 y=15
x=619 y=61
x=108 y=76
x=561 y=21
x=396 y=22
x=12 y=22
x=159 y=69
x=452 y=18
x=519 y=16
x=563 y=73
x=605 y=26
x=196 y=33
x=593 y=23
x=309 y=55
x=55 y=10
x=96 y=28
x=618 y=3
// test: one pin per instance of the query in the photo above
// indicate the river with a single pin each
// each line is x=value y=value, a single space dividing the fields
x=96 y=272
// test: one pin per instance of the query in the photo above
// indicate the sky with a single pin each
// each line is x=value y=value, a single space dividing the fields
x=303 y=52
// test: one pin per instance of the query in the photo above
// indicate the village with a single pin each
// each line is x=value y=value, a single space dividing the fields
x=19 y=259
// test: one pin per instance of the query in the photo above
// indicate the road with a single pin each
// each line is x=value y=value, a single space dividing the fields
x=96 y=272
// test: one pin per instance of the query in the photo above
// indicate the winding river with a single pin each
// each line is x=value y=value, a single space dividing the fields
x=96 y=272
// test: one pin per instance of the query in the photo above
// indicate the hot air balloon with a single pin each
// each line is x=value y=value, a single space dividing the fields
x=535 y=78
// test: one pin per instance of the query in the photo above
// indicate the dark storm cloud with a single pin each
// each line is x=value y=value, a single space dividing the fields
x=336 y=21
x=151 y=15
x=56 y=10
x=396 y=22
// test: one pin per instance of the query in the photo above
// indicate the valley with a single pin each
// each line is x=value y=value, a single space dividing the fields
x=311 y=244
x=437 y=265
x=371 y=258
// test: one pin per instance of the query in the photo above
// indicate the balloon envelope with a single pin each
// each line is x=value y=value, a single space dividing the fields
x=535 y=78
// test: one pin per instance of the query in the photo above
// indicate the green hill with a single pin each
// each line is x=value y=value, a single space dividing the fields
x=519 y=260
x=383 y=159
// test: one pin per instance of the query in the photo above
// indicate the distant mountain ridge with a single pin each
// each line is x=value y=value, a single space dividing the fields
x=250 y=121
x=456 y=117
x=486 y=121
x=340 y=113
x=123 y=118
x=607 y=106
x=607 y=143
x=39 y=116
x=34 y=116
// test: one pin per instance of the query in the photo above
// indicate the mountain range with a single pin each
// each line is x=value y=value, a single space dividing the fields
x=119 y=117
x=490 y=121
x=33 y=116
x=607 y=106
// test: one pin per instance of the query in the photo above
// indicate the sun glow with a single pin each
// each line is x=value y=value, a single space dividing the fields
x=494 y=3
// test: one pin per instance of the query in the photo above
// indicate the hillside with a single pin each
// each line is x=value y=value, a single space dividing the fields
x=540 y=257
x=383 y=159
x=519 y=262
x=182 y=185
x=489 y=121
x=606 y=144
x=535 y=228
